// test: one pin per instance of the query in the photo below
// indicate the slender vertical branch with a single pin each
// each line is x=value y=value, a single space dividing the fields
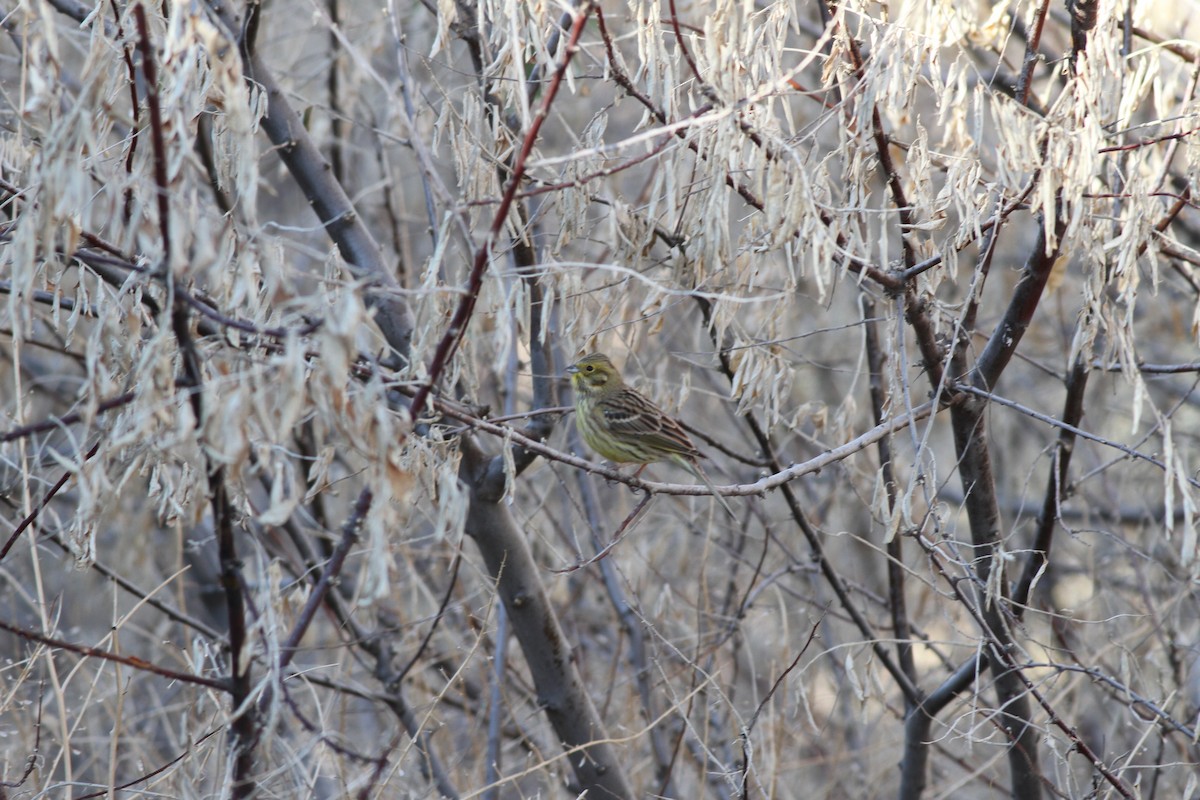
x=561 y=691
x=1056 y=483
x=968 y=420
x=244 y=727
x=895 y=549
x=1025 y=81
x=337 y=125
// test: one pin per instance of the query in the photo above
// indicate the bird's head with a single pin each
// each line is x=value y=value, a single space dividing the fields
x=593 y=373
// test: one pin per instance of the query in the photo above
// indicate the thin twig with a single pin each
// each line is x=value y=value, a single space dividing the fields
x=130 y=661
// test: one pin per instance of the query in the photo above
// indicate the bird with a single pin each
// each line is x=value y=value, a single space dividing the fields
x=624 y=426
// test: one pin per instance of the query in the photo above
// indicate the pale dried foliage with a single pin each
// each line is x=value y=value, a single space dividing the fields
x=745 y=212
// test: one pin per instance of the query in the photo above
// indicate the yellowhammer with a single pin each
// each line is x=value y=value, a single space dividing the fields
x=622 y=425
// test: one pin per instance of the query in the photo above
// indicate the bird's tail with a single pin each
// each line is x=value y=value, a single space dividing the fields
x=694 y=468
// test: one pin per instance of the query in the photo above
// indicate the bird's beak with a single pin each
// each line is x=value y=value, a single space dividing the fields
x=571 y=370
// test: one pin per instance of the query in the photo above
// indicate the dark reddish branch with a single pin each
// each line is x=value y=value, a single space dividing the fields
x=812 y=634
x=916 y=310
x=379 y=645
x=999 y=218
x=492 y=482
x=1083 y=20
x=103 y=263
x=333 y=568
x=245 y=725
x=1056 y=484
x=1181 y=202
x=337 y=117
x=209 y=310
x=462 y=316
x=561 y=691
x=1120 y=148
x=1076 y=740
x=1022 y=88
x=54 y=423
x=393 y=681
x=625 y=82
x=883 y=153
x=1025 y=299
x=32 y=516
x=608 y=172
x=1072 y=416
x=971 y=444
x=134 y=106
x=327 y=736
x=681 y=43
x=146 y=776
x=150 y=72
x=51 y=299
x=130 y=661
x=143 y=596
x=968 y=420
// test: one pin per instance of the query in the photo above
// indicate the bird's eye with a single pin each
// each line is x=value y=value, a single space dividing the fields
x=590 y=368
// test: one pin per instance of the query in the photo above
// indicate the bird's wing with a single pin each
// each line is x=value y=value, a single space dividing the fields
x=629 y=413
